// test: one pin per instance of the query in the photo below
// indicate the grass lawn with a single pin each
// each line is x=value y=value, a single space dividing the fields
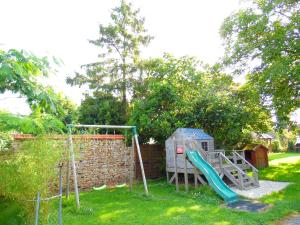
x=10 y=213
x=281 y=155
x=165 y=206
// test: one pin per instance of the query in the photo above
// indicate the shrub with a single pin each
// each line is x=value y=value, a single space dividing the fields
x=29 y=169
x=5 y=141
x=276 y=146
x=290 y=146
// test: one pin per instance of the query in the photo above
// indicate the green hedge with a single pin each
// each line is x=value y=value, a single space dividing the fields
x=32 y=167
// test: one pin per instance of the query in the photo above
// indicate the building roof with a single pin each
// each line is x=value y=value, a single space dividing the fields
x=193 y=133
x=297 y=141
x=254 y=147
x=265 y=136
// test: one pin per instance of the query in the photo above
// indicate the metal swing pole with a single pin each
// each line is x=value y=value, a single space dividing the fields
x=60 y=196
x=38 y=200
x=68 y=174
x=131 y=164
x=73 y=167
x=140 y=159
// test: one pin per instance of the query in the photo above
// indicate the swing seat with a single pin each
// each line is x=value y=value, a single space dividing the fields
x=100 y=188
x=121 y=185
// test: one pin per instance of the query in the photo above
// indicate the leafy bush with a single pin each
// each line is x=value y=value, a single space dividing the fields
x=34 y=124
x=290 y=146
x=5 y=141
x=29 y=169
x=276 y=146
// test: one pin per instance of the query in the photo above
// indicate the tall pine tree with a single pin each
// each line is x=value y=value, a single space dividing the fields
x=120 y=43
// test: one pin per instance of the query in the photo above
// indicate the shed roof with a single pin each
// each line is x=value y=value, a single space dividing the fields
x=193 y=133
x=254 y=147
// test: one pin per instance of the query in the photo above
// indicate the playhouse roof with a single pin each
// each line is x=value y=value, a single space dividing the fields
x=192 y=133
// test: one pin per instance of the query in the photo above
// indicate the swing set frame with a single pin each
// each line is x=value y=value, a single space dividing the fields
x=72 y=156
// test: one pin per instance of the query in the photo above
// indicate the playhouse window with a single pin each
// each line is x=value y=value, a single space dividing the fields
x=204 y=146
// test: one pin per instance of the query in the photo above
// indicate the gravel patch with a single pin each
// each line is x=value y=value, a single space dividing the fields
x=248 y=206
x=291 y=220
x=266 y=187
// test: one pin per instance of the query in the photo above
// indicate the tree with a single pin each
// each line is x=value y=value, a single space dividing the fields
x=19 y=72
x=101 y=108
x=120 y=43
x=35 y=123
x=182 y=93
x=263 y=39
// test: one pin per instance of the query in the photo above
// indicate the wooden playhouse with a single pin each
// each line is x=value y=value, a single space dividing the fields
x=233 y=165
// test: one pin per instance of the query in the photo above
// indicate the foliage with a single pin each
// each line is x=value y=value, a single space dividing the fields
x=284 y=140
x=32 y=168
x=66 y=110
x=263 y=39
x=11 y=213
x=19 y=72
x=5 y=141
x=176 y=93
x=276 y=146
x=101 y=108
x=36 y=123
x=120 y=43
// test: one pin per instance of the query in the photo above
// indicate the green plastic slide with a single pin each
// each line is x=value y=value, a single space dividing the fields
x=212 y=176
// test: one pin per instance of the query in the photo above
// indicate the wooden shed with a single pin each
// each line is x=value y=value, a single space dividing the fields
x=257 y=155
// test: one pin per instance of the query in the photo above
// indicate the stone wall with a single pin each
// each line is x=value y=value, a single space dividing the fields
x=100 y=162
x=104 y=159
x=100 y=159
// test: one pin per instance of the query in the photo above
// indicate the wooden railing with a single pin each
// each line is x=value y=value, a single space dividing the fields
x=240 y=172
x=254 y=170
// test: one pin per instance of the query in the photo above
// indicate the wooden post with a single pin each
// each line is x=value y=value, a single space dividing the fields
x=175 y=164
x=195 y=177
x=186 y=179
x=74 y=168
x=140 y=159
x=168 y=176
x=234 y=158
x=241 y=180
x=243 y=155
